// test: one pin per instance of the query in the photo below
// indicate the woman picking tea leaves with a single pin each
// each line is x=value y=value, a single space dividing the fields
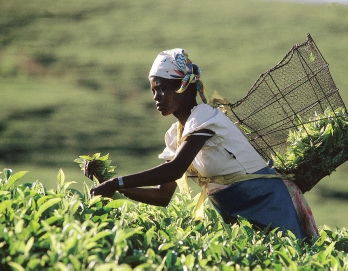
x=207 y=146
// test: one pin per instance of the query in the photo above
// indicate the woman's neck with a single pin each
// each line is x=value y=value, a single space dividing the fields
x=183 y=114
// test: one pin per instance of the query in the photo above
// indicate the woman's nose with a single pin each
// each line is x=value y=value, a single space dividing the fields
x=157 y=95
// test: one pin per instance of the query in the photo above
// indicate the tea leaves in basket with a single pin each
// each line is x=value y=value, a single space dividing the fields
x=316 y=149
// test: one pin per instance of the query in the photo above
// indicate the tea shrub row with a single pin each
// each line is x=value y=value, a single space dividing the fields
x=64 y=229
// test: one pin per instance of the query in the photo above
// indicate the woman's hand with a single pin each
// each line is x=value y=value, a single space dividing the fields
x=106 y=189
x=93 y=168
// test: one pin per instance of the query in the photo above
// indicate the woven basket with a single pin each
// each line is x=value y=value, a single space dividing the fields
x=299 y=87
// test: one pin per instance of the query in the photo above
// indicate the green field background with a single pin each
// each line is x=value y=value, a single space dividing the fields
x=74 y=76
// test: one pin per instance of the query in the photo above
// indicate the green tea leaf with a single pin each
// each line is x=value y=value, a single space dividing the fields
x=4 y=205
x=100 y=235
x=45 y=206
x=19 y=226
x=94 y=200
x=28 y=246
x=284 y=256
x=60 y=179
x=329 y=249
x=14 y=178
x=16 y=266
x=165 y=246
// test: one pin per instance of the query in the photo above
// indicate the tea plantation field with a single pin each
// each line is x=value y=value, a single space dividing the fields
x=73 y=81
x=63 y=229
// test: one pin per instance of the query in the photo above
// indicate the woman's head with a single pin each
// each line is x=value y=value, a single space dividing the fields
x=168 y=100
x=175 y=65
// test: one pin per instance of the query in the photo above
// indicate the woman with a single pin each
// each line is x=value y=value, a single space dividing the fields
x=206 y=144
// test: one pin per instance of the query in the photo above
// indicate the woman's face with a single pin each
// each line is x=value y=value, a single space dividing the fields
x=164 y=93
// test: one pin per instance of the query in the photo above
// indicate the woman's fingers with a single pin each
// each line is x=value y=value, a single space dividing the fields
x=106 y=189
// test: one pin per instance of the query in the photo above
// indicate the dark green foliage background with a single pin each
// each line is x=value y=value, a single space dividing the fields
x=74 y=76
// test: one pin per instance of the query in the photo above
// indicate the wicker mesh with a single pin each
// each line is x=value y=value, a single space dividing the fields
x=299 y=85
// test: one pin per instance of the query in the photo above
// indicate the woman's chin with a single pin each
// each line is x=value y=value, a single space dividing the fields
x=163 y=113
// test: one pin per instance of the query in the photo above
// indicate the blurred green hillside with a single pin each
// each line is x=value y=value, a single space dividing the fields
x=74 y=76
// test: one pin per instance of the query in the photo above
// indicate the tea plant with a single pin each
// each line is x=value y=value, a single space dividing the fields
x=64 y=229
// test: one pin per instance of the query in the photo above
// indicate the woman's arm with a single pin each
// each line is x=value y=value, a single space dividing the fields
x=163 y=174
x=160 y=195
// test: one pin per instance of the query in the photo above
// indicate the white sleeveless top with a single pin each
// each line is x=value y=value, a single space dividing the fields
x=227 y=151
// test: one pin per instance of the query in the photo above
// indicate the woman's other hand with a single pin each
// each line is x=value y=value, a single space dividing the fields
x=106 y=189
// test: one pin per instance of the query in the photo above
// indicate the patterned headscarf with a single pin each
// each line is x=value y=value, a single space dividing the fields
x=175 y=64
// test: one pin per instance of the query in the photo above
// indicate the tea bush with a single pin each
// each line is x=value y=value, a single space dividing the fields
x=64 y=229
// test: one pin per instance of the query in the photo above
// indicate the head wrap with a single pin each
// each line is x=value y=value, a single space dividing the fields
x=175 y=64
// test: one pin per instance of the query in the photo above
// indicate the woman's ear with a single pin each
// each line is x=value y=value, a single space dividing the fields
x=192 y=91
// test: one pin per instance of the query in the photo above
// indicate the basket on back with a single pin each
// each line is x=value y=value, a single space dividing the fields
x=294 y=115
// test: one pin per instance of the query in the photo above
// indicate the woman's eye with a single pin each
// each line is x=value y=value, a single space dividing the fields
x=157 y=90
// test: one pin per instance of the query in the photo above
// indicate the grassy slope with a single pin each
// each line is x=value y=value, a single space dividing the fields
x=73 y=76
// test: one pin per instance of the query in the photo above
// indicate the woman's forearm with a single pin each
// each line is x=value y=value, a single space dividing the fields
x=160 y=175
x=159 y=196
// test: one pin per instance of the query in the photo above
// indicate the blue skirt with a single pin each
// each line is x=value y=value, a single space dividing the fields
x=261 y=201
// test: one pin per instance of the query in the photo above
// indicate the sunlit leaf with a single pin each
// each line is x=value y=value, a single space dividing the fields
x=16 y=266
x=165 y=246
x=4 y=205
x=28 y=246
x=117 y=203
x=100 y=235
x=19 y=226
x=329 y=249
x=60 y=179
x=14 y=178
x=45 y=206
x=94 y=200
